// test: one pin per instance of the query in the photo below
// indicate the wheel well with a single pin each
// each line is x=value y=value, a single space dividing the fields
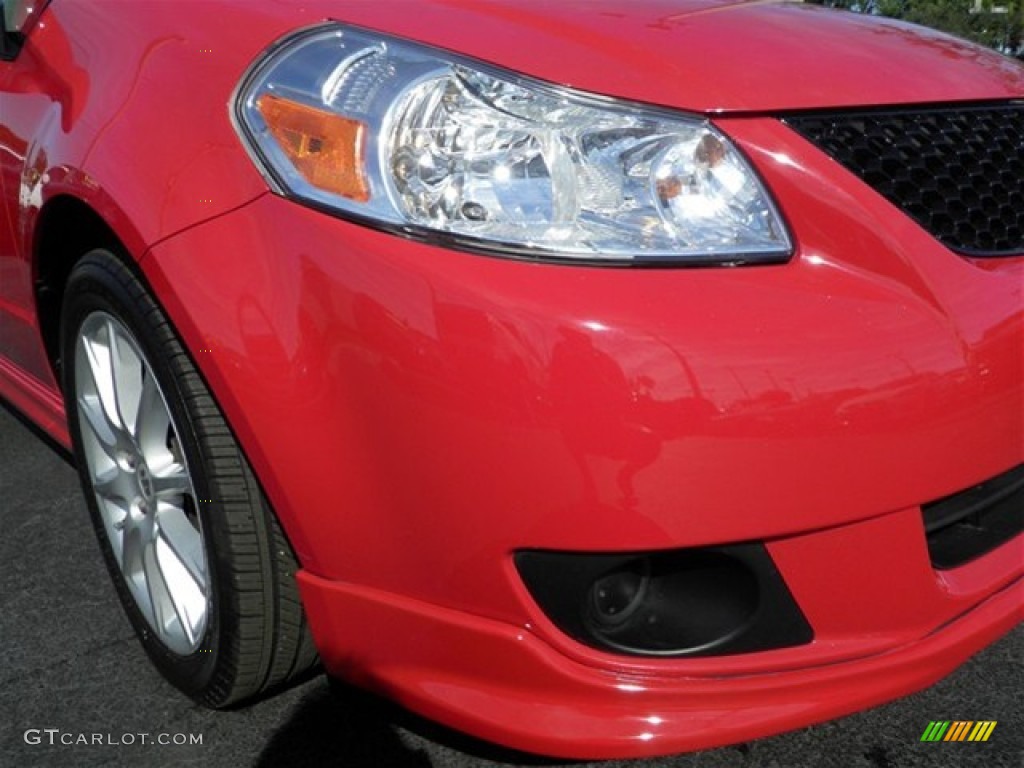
x=66 y=230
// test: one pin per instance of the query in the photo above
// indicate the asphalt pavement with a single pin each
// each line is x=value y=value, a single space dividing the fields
x=71 y=671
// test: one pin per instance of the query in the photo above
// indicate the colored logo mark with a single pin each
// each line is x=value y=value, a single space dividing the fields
x=959 y=730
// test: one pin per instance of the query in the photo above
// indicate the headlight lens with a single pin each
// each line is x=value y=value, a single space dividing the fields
x=413 y=139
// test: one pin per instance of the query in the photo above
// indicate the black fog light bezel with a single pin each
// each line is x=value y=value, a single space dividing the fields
x=706 y=601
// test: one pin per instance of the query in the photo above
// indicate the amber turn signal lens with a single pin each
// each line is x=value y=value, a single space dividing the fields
x=327 y=149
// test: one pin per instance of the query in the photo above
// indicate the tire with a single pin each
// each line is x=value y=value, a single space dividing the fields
x=204 y=572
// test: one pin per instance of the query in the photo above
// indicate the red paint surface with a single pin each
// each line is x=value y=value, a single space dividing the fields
x=417 y=414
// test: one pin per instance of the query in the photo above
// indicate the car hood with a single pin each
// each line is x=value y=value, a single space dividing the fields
x=700 y=55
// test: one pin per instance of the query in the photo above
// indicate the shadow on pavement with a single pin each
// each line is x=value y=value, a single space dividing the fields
x=337 y=724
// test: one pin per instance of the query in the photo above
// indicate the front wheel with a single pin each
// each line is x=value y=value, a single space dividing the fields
x=198 y=559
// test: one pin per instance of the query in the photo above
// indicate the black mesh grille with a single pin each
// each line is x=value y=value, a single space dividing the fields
x=958 y=171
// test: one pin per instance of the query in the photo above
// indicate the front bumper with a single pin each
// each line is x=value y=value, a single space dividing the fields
x=505 y=684
x=418 y=415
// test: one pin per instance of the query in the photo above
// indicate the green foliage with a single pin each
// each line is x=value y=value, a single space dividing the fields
x=998 y=24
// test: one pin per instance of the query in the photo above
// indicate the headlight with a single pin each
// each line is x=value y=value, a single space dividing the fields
x=416 y=140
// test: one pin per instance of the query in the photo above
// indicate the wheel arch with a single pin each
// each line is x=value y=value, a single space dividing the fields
x=65 y=229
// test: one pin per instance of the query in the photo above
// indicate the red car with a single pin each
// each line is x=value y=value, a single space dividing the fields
x=600 y=378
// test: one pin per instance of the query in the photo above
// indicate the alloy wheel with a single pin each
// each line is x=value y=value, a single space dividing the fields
x=140 y=476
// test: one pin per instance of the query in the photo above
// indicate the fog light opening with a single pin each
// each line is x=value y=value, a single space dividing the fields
x=686 y=602
x=669 y=604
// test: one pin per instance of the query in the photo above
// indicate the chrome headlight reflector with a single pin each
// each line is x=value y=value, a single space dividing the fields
x=413 y=139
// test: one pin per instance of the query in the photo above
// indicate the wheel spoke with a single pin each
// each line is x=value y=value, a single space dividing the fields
x=126 y=378
x=116 y=517
x=172 y=484
x=165 y=608
x=99 y=366
x=131 y=550
x=114 y=485
x=152 y=422
x=185 y=543
x=93 y=410
x=108 y=437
